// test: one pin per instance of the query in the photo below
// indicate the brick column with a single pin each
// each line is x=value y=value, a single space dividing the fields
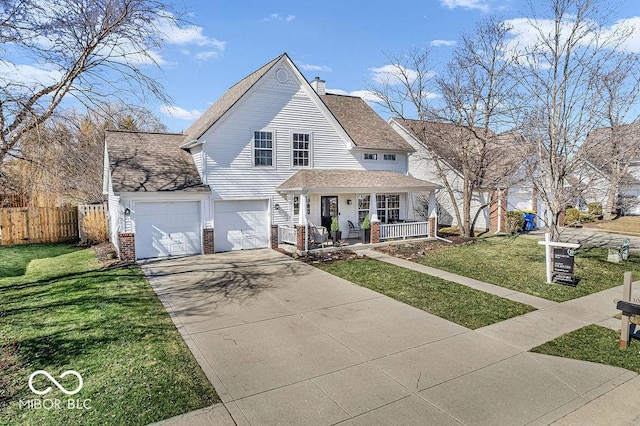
x=274 y=236
x=208 y=241
x=432 y=227
x=300 y=237
x=498 y=212
x=127 y=244
x=375 y=231
x=561 y=216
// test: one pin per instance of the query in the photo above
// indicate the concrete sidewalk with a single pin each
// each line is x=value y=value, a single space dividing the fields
x=286 y=343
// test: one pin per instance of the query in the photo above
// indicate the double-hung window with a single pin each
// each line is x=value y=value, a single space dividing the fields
x=262 y=149
x=301 y=154
x=388 y=207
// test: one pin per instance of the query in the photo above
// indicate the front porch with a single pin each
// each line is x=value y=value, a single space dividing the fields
x=348 y=199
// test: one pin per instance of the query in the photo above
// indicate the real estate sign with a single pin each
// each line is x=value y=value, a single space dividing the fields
x=563 y=265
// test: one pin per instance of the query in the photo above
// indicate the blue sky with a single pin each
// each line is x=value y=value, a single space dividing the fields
x=342 y=41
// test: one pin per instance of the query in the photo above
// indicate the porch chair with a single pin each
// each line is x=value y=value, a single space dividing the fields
x=352 y=229
x=318 y=234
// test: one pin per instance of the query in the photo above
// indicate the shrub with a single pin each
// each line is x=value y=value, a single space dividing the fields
x=94 y=227
x=366 y=224
x=587 y=217
x=449 y=231
x=571 y=216
x=515 y=221
x=595 y=209
x=335 y=226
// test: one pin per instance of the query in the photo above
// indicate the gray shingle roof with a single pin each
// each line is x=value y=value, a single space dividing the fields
x=363 y=125
x=353 y=180
x=151 y=162
x=226 y=101
x=598 y=150
x=452 y=143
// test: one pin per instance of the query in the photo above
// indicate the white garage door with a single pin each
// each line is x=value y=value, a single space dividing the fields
x=167 y=229
x=241 y=225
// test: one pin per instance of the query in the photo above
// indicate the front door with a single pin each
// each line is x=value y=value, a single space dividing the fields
x=329 y=210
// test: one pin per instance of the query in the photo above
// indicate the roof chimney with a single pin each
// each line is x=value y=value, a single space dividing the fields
x=319 y=86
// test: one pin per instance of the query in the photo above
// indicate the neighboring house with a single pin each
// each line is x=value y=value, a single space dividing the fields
x=605 y=157
x=504 y=177
x=272 y=155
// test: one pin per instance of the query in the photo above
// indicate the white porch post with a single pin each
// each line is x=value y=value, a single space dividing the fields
x=373 y=207
x=432 y=202
x=302 y=219
x=290 y=198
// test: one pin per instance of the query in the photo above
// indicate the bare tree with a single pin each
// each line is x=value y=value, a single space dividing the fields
x=64 y=156
x=556 y=75
x=92 y=51
x=475 y=97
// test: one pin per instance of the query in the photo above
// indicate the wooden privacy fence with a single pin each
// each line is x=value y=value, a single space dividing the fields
x=83 y=210
x=31 y=225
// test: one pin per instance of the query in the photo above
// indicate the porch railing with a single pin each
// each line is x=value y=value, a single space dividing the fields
x=287 y=234
x=404 y=230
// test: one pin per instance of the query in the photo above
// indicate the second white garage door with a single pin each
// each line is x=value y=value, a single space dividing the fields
x=167 y=229
x=241 y=225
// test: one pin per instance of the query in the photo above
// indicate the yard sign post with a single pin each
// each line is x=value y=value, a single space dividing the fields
x=548 y=253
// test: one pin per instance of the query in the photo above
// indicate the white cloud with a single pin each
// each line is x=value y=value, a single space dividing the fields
x=28 y=75
x=189 y=35
x=203 y=56
x=438 y=43
x=393 y=74
x=309 y=67
x=279 y=17
x=482 y=5
x=526 y=33
x=367 y=95
x=180 y=113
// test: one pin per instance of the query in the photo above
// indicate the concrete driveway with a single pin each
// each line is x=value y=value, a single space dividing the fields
x=285 y=343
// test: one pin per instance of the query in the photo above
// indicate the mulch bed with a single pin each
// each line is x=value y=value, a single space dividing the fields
x=329 y=256
x=106 y=253
x=414 y=250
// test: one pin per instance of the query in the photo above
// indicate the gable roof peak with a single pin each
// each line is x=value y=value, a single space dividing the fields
x=228 y=100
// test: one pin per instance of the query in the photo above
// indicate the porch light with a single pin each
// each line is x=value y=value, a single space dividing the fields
x=277 y=206
x=127 y=212
x=349 y=202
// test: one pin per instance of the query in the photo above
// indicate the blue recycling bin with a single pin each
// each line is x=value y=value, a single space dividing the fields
x=529 y=221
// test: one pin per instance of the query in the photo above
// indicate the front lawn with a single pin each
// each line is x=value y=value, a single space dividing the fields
x=518 y=263
x=59 y=310
x=624 y=224
x=596 y=344
x=454 y=302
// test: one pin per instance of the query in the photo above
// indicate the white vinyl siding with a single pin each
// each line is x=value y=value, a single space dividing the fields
x=284 y=109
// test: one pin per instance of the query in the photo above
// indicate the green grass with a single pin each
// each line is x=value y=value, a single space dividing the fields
x=66 y=313
x=624 y=224
x=454 y=302
x=596 y=344
x=518 y=263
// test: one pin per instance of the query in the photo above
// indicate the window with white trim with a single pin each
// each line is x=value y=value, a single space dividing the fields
x=389 y=157
x=388 y=207
x=301 y=154
x=370 y=156
x=262 y=149
x=296 y=205
x=363 y=207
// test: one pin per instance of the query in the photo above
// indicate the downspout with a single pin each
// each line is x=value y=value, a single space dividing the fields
x=499 y=227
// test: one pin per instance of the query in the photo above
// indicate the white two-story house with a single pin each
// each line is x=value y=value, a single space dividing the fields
x=275 y=151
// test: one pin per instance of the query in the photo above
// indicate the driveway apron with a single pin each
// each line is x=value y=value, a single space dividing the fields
x=286 y=343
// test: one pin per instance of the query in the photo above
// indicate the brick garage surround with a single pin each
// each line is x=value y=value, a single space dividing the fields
x=127 y=244
x=274 y=237
x=208 y=241
x=300 y=237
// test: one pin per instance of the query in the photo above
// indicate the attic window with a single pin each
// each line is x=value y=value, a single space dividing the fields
x=370 y=157
x=389 y=157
